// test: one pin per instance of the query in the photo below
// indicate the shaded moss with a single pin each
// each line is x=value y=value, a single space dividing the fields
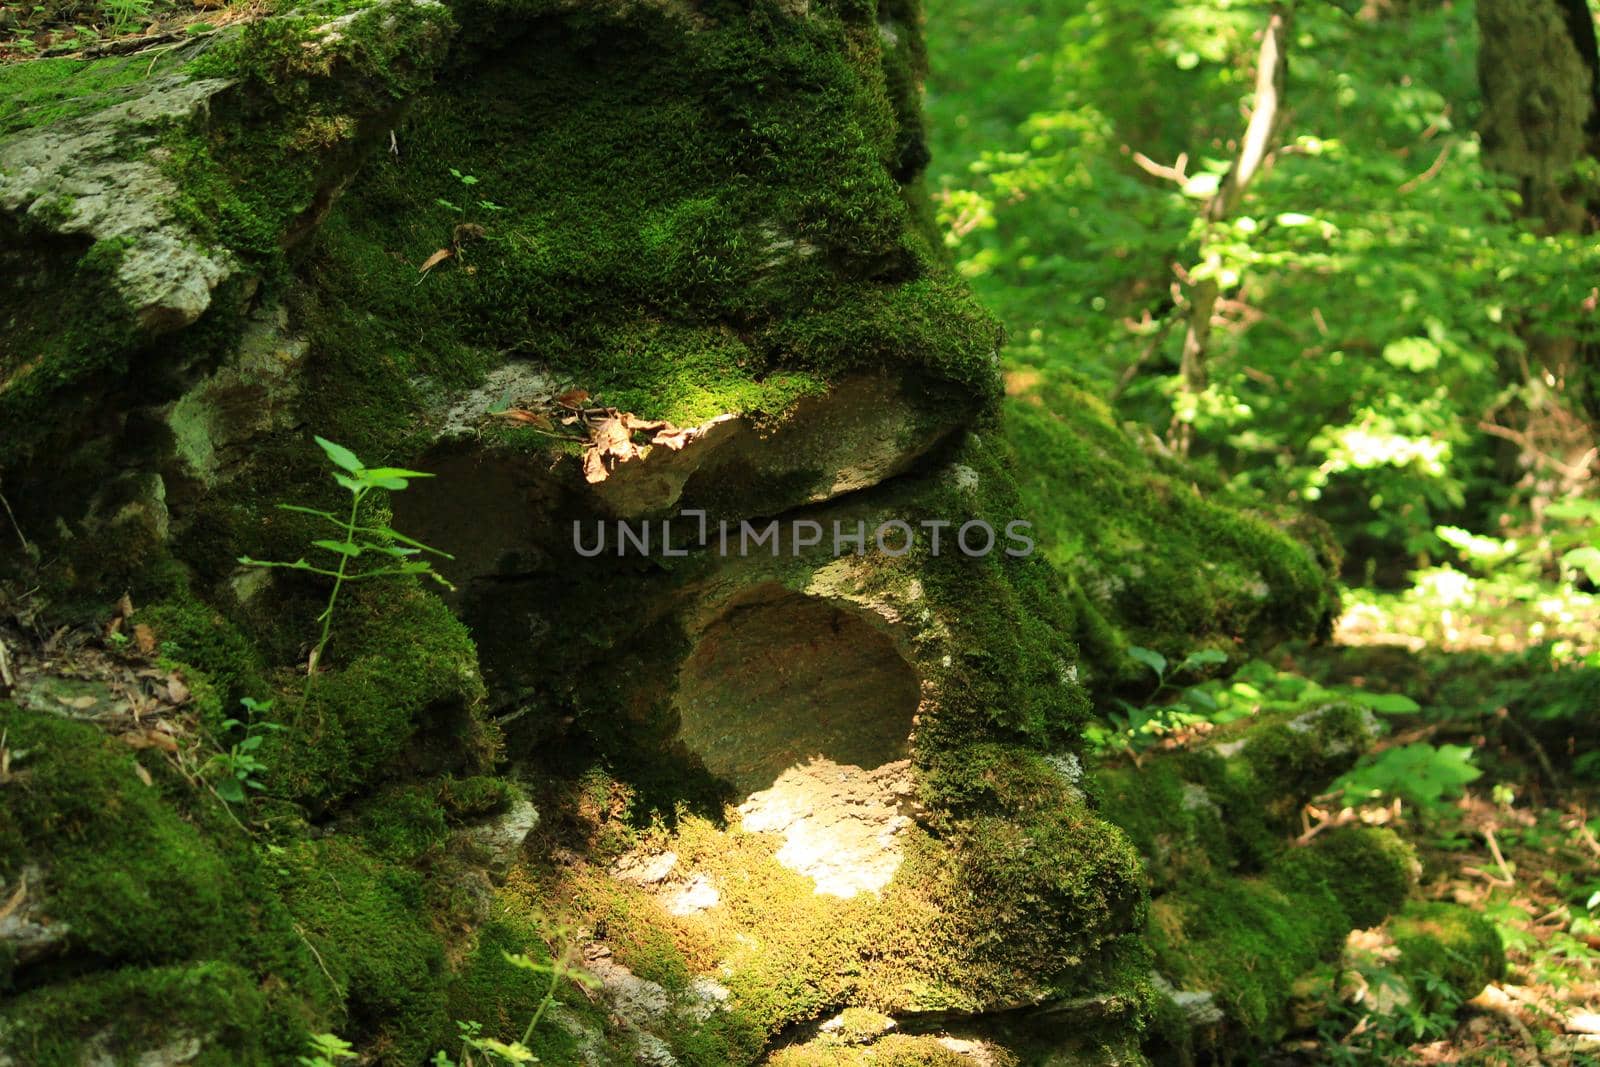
x=1155 y=561
x=161 y=898
x=1448 y=942
x=196 y=634
x=212 y=1014
x=367 y=921
x=402 y=823
x=115 y=856
x=1248 y=938
x=402 y=694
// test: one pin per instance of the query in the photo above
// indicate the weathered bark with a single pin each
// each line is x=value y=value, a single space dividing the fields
x=1536 y=66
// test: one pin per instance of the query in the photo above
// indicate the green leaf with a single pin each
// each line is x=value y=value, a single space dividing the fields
x=340 y=455
x=387 y=477
x=1387 y=703
x=396 y=535
x=1415 y=354
x=1420 y=773
x=330 y=516
x=1208 y=657
x=343 y=548
x=1586 y=559
x=250 y=743
x=1150 y=658
x=230 y=790
x=351 y=484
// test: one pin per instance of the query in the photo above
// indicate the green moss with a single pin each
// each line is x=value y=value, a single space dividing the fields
x=299 y=121
x=165 y=903
x=503 y=998
x=1248 y=938
x=1368 y=871
x=466 y=798
x=687 y=224
x=1201 y=810
x=1156 y=562
x=367 y=922
x=403 y=823
x=115 y=856
x=896 y=1050
x=400 y=692
x=43 y=92
x=40 y=354
x=124 y=1016
x=1285 y=762
x=1174 y=821
x=1448 y=942
x=193 y=633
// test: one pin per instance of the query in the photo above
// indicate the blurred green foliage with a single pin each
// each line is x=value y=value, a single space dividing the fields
x=1379 y=283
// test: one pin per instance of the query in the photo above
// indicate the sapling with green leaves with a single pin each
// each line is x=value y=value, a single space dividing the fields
x=328 y=1050
x=237 y=768
x=356 y=540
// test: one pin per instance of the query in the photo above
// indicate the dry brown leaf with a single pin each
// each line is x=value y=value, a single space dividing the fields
x=531 y=418
x=78 y=703
x=144 y=638
x=611 y=437
x=434 y=260
x=673 y=438
x=177 y=690
x=637 y=425
x=594 y=468
x=144 y=775
x=124 y=605
x=573 y=398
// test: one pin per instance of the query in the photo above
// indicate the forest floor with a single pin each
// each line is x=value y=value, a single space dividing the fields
x=1519 y=844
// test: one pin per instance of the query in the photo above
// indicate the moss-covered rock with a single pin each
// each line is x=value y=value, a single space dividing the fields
x=1154 y=553
x=708 y=215
x=1448 y=943
x=1239 y=914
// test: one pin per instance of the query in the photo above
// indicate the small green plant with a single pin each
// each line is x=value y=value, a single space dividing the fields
x=237 y=768
x=469 y=181
x=127 y=14
x=326 y=1051
x=1134 y=727
x=515 y=1052
x=1393 y=1014
x=1426 y=776
x=356 y=540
